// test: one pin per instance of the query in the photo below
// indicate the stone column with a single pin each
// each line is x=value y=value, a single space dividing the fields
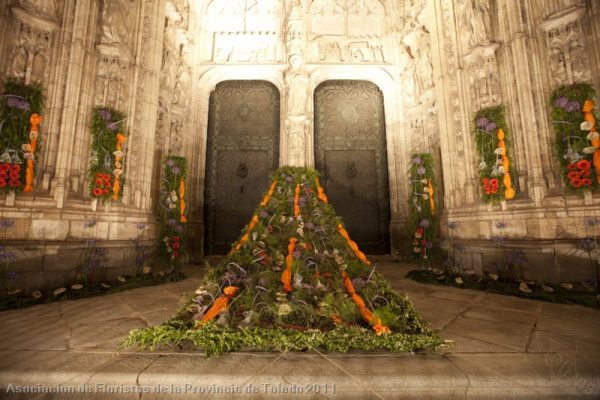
x=140 y=156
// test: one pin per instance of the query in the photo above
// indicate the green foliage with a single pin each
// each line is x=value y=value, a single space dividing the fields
x=485 y=283
x=17 y=103
x=423 y=227
x=486 y=123
x=318 y=311
x=215 y=340
x=172 y=248
x=571 y=140
x=106 y=124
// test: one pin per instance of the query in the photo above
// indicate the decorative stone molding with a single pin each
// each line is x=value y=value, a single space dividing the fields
x=565 y=47
x=32 y=43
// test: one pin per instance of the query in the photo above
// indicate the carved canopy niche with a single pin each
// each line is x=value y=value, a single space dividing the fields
x=244 y=30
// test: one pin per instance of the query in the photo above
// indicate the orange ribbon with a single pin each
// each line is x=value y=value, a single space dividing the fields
x=286 y=276
x=431 y=201
x=219 y=305
x=35 y=120
x=361 y=256
x=364 y=311
x=267 y=197
x=509 y=192
x=182 y=217
x=321 y=194
x=588 y=116
x=246 y=236
x=117 y=183
x=297 y=201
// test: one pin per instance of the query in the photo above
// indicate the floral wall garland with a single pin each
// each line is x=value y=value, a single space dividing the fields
x=423 y=218
x=577 y=138
x=21 y=109
x=172 y=209
x=106 y=165
x=496 y=177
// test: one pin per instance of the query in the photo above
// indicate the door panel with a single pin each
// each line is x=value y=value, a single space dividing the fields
x=351 y=154
x=242 y=150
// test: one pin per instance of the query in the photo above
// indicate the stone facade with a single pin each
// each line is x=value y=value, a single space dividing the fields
x=436 y=62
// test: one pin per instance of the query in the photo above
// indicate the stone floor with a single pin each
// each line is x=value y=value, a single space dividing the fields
x=505 y=347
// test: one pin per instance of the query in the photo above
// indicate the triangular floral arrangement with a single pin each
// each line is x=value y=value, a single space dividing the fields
x=294 y=280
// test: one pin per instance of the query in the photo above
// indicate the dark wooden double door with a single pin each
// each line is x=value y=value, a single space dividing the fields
x=350 y=153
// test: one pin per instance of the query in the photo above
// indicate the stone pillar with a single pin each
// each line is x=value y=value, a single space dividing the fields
x=74 y=53
x=140 y=155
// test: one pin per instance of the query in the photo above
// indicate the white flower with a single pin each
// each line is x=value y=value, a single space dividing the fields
x=500 y=170
x=482 y=165
x=284 y=309
x=499 y=151
x=118 y=153
x=589 y=150
x=424 y=181
x=592 y=135
x=172 y=206
x=586 y=125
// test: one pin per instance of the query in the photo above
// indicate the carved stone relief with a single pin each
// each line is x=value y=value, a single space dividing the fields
x=566 y=53
x=475 y=22
x=34 y=25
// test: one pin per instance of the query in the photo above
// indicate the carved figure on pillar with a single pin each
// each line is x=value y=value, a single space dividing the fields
x=296 y=31
x=296 y=79
x=474 y=21
x=116 y=22
x=47 y=9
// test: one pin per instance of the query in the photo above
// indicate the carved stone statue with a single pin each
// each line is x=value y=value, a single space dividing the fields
x=42 y=8
x=116 y=20
x=296 y=79
x=474 y=21
x=296 y=40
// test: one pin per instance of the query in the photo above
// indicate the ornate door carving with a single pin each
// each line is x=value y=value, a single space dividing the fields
x=350 y=153
x=242 y=149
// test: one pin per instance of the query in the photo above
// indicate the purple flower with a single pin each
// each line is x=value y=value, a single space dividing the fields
x=429 y=244
x=491 y=126
x=11 y=275
x=105 y=114
x=591 y=222
x=301 y=200
x=587 y=244
x=23 y=105
x=516 y=257
x=6 y=223
x=12 y=102
x=176 y=170
x=498 y=240
x=263 y=214
x=561 y=102
x=89 y=223
x=453 y=225
x=297 y=253
x=170 y=162
x=289 y=179
x=309 y=225
x=424 y=223
x=358 y=283
x=501 y=225
x=171 y=222
x=421 y=170
x=17 y=102
x=179 y=228
x=140 y=226
x=417 y=160
x=112 y=126
x=573 y=106
x=482 y=122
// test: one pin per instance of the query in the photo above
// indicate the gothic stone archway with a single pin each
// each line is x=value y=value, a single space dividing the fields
x=242 y=149
x=351 y=154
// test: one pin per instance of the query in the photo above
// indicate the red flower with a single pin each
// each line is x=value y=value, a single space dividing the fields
x=486 y=181
x=584 y=174
x=584 y=165
x=576 y=183
x=423 y=242
x=99 y=182
x=586 y=182
x=97 y=192
x=494 y=182
x=14 y=174
x=176 y=238
x=175 y=253
x=104 y=191
x=16 y=167
x=420 y=231
x=2 y=182
x=175 y=245
x=3 y=173
x=270 y=228
x=14 y=183
x=572 y=167
x=5 y=166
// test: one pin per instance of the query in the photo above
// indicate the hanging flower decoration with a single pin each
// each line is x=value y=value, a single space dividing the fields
x=172 y=210
x=491 y=137
x=20 y=117
x=423 y=224
x=106 y=163
x=577 y=138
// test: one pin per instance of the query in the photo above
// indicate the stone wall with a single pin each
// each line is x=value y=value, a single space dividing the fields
x=436 y=63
